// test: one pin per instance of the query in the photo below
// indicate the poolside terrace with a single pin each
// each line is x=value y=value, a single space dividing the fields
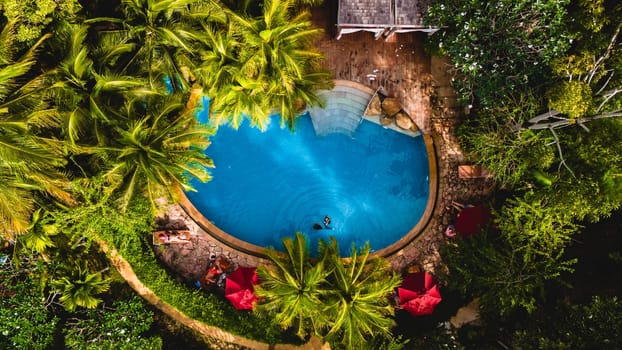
x=398 y=65
x=402 y=69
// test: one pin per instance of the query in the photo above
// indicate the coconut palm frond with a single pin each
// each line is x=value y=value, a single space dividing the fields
x=16 y=205
x=293 y=288
x=359 y=305
x=79 y=286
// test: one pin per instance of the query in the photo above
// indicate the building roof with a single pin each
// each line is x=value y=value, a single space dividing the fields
x=383 y=17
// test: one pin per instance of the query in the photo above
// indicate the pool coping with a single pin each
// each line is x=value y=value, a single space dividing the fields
x=248 y=248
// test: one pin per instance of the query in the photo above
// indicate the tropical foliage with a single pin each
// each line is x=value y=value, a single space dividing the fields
x=294 y=287
x=123 y=325
x=155 y=149
x=345 y=301
x=594 y=324
x=25 y=321
x=30 y=318
x=542 y=83
x=33 y=18
x=29 y=161
x=156 y=39
x=589 y=326
x=79 y=286
x=264 y=65
x=506 y=274
x=500 y=48
x=358 y=303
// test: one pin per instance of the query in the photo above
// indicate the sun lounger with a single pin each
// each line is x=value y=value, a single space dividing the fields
x=171 y=237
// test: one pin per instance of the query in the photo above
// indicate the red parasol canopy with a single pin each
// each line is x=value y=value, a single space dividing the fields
x=239 y=287
x=419 y=294
x=471 y=220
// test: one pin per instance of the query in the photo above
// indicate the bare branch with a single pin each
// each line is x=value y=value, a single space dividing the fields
x=612 y=114
x=605 y=84
x=544 y=116
x=609 y=95
x=561 y=154
x=602 y=58
x=564 y=122
x=533 y=122
x=551 y=125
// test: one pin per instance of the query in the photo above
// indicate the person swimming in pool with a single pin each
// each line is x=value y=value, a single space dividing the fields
x=326 y=221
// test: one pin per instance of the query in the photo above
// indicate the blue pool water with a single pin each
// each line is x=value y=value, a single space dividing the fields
x=268 y=185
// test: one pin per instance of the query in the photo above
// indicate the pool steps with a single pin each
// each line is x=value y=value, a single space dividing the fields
x=343 y=113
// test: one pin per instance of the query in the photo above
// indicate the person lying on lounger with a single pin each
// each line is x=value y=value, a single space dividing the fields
x=170 y=236
x=219 y=266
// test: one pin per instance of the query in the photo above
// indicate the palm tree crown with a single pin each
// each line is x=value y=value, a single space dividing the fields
x=269 y=65
x=292 y=288
x=79 y=287
x=359 y=305
x=29 y=162
x=156 y=145
x=344 y=300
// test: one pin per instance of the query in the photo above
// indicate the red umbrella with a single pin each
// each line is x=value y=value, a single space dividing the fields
x=419 y=294
x=471 y=220
x=239 y=287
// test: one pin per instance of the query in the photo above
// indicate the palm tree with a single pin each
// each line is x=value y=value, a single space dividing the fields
x=292 y=288
x=275 y=68
x=79 y=286
x=86 y=90
x=358 y=304
x=155 y=145
x=28 y=161
x=141 y=140
x=159 y=37
x=235 y=96
x=38 y=237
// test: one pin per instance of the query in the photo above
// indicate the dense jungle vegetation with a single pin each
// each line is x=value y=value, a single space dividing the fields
x=97 y=103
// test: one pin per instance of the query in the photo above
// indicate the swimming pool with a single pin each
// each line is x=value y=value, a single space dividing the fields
x=373 y=184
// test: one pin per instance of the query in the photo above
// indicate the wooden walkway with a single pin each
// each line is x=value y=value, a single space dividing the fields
x=400 y=66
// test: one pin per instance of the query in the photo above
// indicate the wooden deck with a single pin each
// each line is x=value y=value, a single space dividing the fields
x=399 y=65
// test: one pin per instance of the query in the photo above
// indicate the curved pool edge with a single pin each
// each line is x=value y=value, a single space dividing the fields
x=214 y=231
x=426 y=217
x=257 y=251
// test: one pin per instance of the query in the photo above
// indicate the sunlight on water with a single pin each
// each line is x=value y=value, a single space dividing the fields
x=267 y=185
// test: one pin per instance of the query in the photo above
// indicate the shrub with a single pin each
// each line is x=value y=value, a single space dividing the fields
x=25 y=322
x=572 y=98
x=123 y=326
